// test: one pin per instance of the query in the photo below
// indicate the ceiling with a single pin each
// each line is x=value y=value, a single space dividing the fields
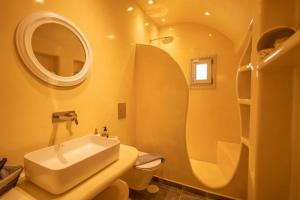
x=230 y=17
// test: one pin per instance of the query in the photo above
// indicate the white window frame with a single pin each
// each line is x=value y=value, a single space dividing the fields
x=210 y=81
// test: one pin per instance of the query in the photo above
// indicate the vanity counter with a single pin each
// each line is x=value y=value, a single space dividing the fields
x=88 y=189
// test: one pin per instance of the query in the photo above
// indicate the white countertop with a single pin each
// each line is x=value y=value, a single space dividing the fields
x=85 y=190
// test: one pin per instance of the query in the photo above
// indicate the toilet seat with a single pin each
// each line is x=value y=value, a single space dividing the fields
x=150 y=165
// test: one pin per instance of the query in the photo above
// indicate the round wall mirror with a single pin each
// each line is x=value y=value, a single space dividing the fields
x=54 y=49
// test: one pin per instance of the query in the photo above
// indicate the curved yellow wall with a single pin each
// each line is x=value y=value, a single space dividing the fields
x=274 y=137
x=212 y=113
x=27 y=103
x=161 y=106
x=161 y=109
x=297 y=6
x=295 y=193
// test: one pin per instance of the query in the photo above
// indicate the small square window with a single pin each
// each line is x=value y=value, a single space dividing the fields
x=202 y=73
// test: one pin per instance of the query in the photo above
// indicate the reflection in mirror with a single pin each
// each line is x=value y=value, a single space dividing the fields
x=58 y=49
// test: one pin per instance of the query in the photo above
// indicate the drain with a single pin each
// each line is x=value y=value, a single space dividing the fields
x=152 y=189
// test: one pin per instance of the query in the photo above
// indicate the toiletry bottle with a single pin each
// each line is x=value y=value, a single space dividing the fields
x=105 y=132
x=96 y=132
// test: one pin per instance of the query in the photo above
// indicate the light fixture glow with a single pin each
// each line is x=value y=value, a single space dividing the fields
x=146 y=23
x=207 y=13
x=111 y=37
x=170 y=29
x=39 y=1
x=209 y=35
x=163 y=20
x=129 y=9
x=151 y=2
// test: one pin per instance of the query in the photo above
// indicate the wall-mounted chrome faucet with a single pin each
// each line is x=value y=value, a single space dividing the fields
x=64 y=116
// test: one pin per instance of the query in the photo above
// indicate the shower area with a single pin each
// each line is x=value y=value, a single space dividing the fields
x=218 y=123
x=239 y=138
x=202 y=133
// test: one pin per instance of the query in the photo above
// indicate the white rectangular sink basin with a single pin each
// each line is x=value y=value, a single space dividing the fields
x=60 y=167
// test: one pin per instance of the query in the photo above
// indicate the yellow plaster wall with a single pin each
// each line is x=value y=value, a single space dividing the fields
x=161 y=107
x=297 y=7
x=271 y=17
x=212 y=113
x=295 y=183
x=267 y=17
x=27 y=103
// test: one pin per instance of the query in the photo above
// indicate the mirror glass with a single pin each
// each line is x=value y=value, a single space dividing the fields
x=58 y=49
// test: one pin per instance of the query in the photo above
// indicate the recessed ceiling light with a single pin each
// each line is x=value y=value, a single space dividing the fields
x=210 y=35
x=39 y=1
x=111 y=37
x=207 y=13
x=146 y=23
x=163 y=20
x=129 y=9
x=151 y=2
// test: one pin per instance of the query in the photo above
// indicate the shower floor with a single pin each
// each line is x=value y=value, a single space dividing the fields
x=209 y=172
x=172 y=191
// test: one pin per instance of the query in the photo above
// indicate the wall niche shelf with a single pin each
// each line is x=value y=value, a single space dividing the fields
x=245 y=141
x=245 y=122
x=244 y=101
x=244 y=84
x=245 y=68
x=272 y=39
x=286 y=55
x=277 y=100
x=246 y=58
x=244 y=74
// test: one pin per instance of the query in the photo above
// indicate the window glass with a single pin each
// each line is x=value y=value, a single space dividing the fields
x=201 y=71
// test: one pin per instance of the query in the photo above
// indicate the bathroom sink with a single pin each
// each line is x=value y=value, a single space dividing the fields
x=60 y=167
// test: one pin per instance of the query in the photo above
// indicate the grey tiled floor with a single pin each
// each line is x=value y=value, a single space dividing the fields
x=167 y=192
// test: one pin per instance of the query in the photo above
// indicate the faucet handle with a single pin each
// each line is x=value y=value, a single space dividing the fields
x=70 y=114
x=65 y=116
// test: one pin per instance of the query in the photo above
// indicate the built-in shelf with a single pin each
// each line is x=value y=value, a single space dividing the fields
x=244 y=91
x=246 y=58
x=271 y=39
x=287 y=55
x=245 y=119
x=277 y=97
x=245 y=68
x=244 y=83
x=245 y=141
x=244 y=101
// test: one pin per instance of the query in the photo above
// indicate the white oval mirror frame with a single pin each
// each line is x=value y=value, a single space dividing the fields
x=24 y=35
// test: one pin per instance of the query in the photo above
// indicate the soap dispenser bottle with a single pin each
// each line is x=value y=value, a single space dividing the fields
x=105 y=132
x=96 y=132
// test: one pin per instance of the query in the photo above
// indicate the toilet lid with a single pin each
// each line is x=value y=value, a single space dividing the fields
x=148 y=165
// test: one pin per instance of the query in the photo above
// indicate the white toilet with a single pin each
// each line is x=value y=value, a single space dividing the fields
x=139 y=177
